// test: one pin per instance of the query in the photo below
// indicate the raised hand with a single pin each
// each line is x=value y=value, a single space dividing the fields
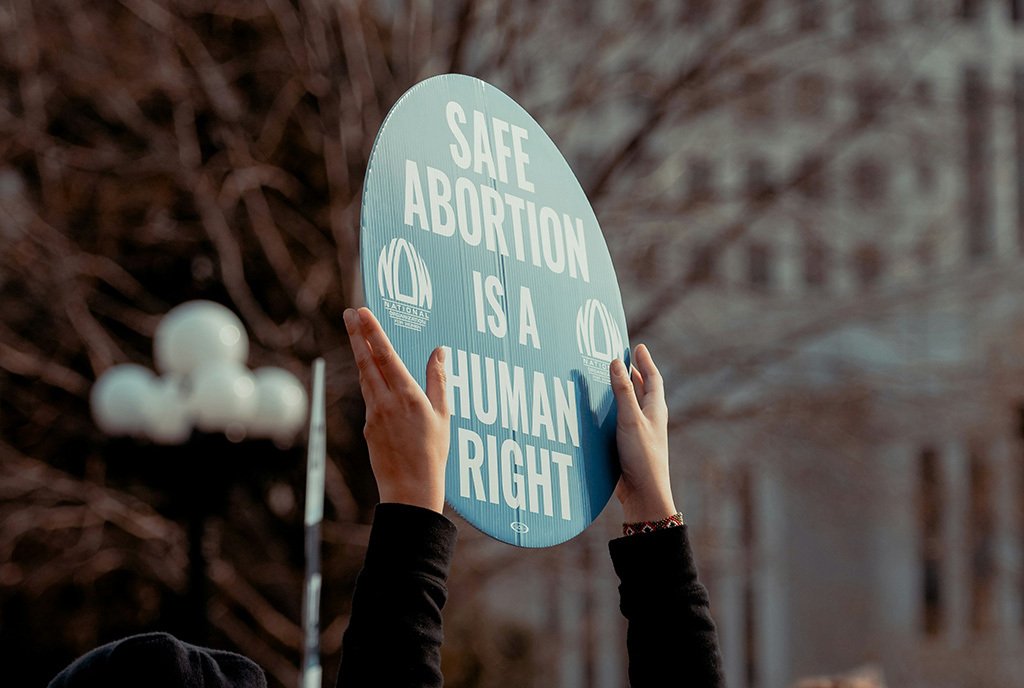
x=642 y=436
x=407 y=431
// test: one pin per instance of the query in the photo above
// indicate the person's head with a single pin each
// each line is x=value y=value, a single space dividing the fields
x=159 y=660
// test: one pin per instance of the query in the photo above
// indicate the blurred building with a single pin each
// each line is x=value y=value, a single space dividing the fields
x=828 y=250
x=858 y=430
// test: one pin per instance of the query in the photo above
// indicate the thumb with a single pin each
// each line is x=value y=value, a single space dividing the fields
x=436 y=387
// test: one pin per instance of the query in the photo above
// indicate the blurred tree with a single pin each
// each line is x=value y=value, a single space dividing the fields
x=157 y=151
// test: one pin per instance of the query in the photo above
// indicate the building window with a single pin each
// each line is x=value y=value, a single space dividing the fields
x=867 y=17
x=756 y=90
x=869 y=180
x=810 y=15
x=759 y=265
x=810 y=95
x=703 y=264
x=810 y=180
x=924 y=253
x=970 y=9
x=924 y=96
x=929 y=513
x=982 y=538
x=977 y=164
x=870 y=98
x=816 y=261
x=759 y=183
x=868 y=264
x=700 y=181
x=750 y=12
x=923 y=10
x=695 y=11
x=924 y=169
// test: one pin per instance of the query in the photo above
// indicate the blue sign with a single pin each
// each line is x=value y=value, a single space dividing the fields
x=477 y=236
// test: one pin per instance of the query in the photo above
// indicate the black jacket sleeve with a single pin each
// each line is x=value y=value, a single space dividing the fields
x=394 y=634
x=671 y=638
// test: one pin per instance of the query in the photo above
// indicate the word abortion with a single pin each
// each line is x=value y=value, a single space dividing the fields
x=477 y=213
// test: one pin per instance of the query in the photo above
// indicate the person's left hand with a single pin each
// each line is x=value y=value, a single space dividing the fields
x=407 y=431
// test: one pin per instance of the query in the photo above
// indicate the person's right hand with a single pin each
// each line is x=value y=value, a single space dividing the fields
x=407 y=431
x=641 y=433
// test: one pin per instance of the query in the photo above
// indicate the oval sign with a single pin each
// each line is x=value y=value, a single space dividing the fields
x=477 y=236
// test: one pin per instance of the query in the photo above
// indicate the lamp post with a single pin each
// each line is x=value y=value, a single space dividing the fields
x=204 y=385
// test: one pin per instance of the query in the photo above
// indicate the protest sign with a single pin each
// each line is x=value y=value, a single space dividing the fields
x=476 y=236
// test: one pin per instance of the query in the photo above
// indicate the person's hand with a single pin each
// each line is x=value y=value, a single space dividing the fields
x=641 y=433
x=407 y=431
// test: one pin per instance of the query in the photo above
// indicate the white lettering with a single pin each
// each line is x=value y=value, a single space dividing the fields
x=470 y=466
x=439 y=193
x=494 y=216
x=538 y=479
x=541 y=410
x=513 y=398
x=565 y=411
x=482 y=146
x=460 y=149
x=459 y=381
x=415 y=207
x=485 y=413
x=564 y=463
x=512 y=481
x=527 y=319
x=518 y=136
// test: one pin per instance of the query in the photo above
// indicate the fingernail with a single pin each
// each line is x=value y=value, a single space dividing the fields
x=349 y=317
x=440 y=354
x=618 y=367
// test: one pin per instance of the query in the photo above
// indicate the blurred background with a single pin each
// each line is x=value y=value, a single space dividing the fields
x=816 y=212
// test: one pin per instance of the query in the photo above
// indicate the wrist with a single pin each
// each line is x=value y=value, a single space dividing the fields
x=652 y=508
x=432 y=499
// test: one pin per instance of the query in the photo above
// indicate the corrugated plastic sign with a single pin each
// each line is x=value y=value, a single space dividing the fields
x=477 y=236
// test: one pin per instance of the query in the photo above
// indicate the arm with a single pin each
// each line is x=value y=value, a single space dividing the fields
x=395 y=631
x=671 y=633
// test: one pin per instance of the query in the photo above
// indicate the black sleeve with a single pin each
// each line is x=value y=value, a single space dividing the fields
x=671 y=638
x=394 y=634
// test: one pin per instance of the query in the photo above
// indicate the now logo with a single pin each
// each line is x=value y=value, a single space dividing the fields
x=598 y=337
x=404 y=283
x=397 y=256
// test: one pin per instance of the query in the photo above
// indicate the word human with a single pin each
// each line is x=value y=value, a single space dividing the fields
x=476 y=212
x=521 y=475
x=500 y=394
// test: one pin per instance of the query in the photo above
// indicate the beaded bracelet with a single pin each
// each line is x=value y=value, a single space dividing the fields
x=673 y=521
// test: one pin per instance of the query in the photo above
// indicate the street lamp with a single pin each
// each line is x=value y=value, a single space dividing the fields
x=200 y=350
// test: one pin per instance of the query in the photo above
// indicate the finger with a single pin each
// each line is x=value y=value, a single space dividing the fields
x=388 y=362
x=654 y=387
x=436 y=387
x=622 y=387
x=370 y=380
x=638 y=382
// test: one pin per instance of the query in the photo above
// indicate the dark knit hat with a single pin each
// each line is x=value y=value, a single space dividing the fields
x=159 y=660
